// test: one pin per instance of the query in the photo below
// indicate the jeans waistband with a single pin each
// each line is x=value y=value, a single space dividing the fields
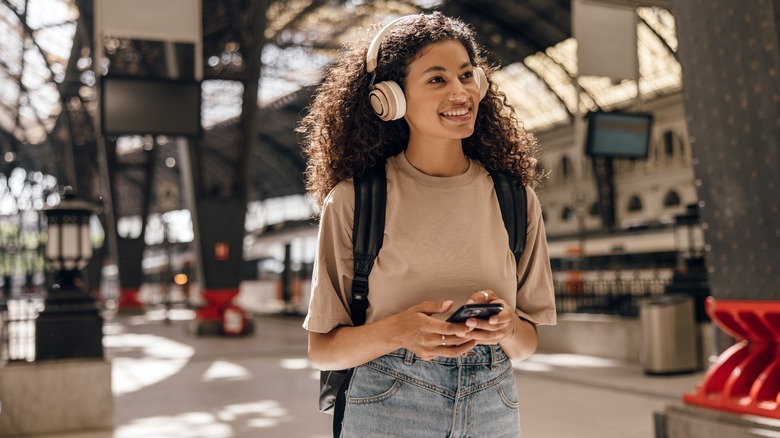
x=490 y=355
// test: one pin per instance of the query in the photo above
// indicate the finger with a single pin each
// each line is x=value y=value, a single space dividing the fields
x=503 y=317
x=500 y=318
x=433 y=307
x=451 y=341
x=455 y=328
x=487 y=337
x=477 y=297
x=479 y=324
x=484 y=324
x=482 y=296
x=457 y=350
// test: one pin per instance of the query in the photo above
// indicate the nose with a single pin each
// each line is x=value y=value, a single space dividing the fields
x=459 y=94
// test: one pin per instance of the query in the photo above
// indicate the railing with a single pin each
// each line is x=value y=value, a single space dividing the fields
x=17 y=327
x=610 y=297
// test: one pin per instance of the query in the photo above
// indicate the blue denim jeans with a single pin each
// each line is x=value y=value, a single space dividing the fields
x=401 y=395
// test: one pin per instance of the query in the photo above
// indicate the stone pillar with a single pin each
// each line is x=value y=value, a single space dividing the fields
x=218 y=204
x=129 y=255
x=127 y=251
x=731 y=89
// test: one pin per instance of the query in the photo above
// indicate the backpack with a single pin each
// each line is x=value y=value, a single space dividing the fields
x=367 y=235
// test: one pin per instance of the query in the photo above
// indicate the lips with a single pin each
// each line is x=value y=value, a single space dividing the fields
x=459 y=112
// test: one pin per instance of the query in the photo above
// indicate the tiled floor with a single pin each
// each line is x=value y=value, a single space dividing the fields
x=171 y=384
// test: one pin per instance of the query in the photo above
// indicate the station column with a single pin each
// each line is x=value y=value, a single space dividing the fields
x=218 y=205
x=731 y=90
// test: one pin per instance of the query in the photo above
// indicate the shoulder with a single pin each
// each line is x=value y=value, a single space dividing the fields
x=343 y=191
x=342 y=196
x=534 y=205
x=340 y=201
x=530 y=193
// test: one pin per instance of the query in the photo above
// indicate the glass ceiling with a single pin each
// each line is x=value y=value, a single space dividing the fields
x=526 y=84
x=34 y=57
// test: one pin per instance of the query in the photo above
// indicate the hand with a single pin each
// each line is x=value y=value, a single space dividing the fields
x=493 y=330
x=428 y=337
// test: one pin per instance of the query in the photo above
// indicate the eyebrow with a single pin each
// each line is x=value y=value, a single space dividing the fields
x=439 y=68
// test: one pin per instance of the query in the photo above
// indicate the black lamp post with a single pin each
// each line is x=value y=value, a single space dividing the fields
x=70 y=324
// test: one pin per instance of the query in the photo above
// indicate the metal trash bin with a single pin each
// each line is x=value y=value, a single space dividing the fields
x=669 y=335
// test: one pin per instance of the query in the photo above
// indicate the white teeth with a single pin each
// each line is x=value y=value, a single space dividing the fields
x=461 y=112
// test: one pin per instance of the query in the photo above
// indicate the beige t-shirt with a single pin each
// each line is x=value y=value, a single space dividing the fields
x=444 y=239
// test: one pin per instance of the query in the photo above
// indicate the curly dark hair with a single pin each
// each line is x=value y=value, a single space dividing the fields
x=342 y=137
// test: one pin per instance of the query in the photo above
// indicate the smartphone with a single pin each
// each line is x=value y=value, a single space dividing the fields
x=480 y=311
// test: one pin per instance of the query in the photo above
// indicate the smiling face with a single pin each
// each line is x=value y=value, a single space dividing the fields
x=442 y=96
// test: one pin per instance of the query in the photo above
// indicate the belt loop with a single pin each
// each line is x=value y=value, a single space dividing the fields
x=493 y=357
x=409 y=358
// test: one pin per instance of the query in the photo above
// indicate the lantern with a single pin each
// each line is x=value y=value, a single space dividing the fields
x=68 y=247
x=70 y=324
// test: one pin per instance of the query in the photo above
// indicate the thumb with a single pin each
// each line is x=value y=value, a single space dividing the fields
x=434 y=307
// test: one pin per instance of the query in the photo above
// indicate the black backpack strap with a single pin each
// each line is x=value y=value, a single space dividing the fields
x=514 y=209
x=341 y=404
x=368 y=230
x=367 y=235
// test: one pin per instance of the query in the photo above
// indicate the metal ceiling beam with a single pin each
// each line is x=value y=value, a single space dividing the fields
x=542 y=16
x=280 y=157
x=502 y=26
x=312 y=7
x=660 y=38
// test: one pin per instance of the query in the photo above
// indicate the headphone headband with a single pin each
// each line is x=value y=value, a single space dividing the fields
x=372 y=56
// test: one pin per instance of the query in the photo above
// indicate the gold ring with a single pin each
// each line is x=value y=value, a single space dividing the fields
x=487 y=296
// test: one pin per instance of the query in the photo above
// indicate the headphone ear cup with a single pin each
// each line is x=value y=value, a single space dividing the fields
x=481 y=79
x=388 y=101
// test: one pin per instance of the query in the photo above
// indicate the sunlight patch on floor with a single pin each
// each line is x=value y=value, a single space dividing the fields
x=528 y=365
x=224 y=370
x=262 y=414
x=151 y=360
x=189 y=425
x=574 y=361
x=542 y=363
x=295 y=363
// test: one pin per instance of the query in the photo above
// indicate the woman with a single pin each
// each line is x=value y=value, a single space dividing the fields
x=444 y=241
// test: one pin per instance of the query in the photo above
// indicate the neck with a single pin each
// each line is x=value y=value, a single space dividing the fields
x=438 y=161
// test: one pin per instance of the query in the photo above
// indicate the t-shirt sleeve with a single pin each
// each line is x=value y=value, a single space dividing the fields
x=535 y=295
x=332 y=276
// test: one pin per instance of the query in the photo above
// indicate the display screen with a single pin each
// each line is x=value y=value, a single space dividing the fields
x=620 y=135
x=133 y=106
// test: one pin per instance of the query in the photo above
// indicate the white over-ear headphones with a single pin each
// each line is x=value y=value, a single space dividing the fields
x=387 y=98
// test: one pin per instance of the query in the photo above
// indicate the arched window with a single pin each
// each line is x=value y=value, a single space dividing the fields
x=672 y=145
x=635 y=204
x=669 y=141
x=567 y=215
x=567 y=168
x=671 y=199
